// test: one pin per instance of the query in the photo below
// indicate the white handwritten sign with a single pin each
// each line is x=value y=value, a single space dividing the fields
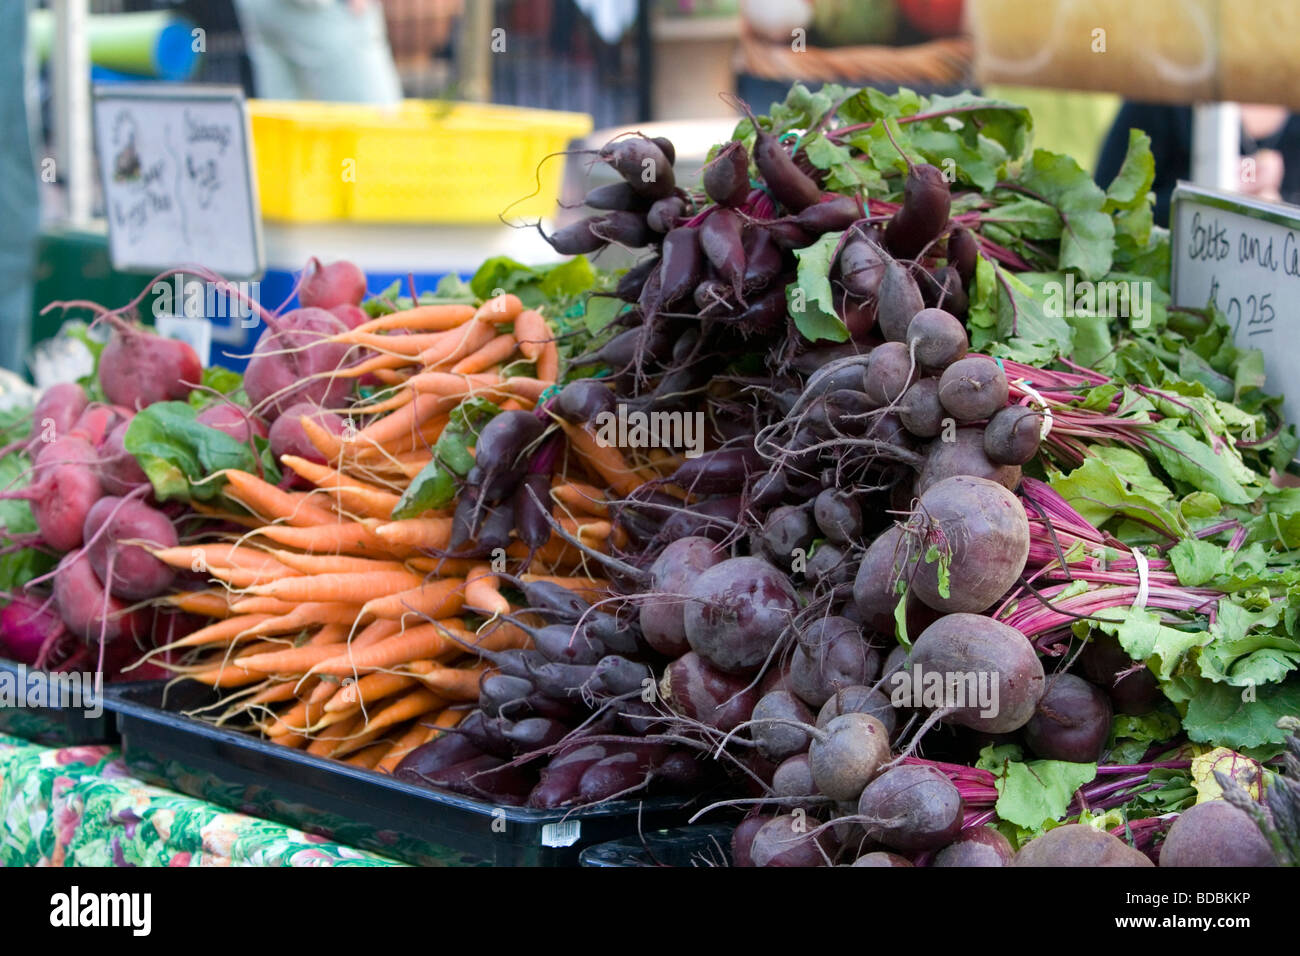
x=178 y=182
x=1245 y=255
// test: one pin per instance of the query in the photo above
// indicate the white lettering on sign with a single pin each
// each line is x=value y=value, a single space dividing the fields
x=1244 y=255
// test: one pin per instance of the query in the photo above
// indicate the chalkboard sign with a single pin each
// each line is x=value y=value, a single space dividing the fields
x=179 y=187
x=1245 y=255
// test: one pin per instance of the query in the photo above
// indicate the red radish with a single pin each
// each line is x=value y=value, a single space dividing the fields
x=65 y=488
x=74 y=449
x=287 y=435
x=232 y=420
x=138 y=368
x=57 y=410
x=325 y=286
x=119 y=472
x=292 y=363
x=82 y=603
x=95 y=423
x=136 y=574
x=350 y=315
x=26 y=628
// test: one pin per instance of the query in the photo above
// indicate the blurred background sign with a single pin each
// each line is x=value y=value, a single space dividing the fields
x=177 y=175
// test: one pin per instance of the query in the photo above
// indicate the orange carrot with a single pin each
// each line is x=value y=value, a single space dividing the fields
x=374 y=632
x=297 y=660
x=197 y=557
x=396 y=398
x=329 y=738
x=415 y=442
x=274 y=693
x=531 y=333
x=582 y=498
x=262 y=605
x=307 y=615
x=227 y=677
x=224 y=514
x=501 y=310
x=348 y=588
x=406 y=345
x=212 y=603
x=433 y=599
x=455 y=683
x=245 y=578
x=455 y=567
x=496 y=351
x=224 y=630
x=528 y=389
x=413 y=704
x=367 y=690
x=481 y=591
x=351 y=537
x=417 y=703
x=457 y=344
x=323 y=440
x=421 y=318
x=606 y=460
x=303 y=715
x=333 y=563
x=268 y=501
x=414 y=736
x=401 y=422
x=369 y=758
x=332 y=633
x=352 y=493
x=417 y=532
x=548 y=362
x=372 y=364
x=451 y=388
x=426 y=640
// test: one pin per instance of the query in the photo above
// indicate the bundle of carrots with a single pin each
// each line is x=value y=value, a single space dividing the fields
x=341 y=631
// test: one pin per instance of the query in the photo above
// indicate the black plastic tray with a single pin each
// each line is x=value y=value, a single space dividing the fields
x=704 y=845
x=54 y=726
x=350 y=805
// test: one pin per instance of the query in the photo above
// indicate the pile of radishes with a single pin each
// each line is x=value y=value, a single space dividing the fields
x=94 y=505
x=91 y=503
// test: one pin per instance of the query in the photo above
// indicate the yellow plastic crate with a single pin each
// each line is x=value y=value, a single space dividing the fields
x=423 y=161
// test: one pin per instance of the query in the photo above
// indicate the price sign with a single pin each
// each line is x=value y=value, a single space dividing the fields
x=1243 y=254
x=179 y=187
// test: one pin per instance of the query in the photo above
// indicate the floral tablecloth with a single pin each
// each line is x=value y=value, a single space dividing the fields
x=78 y=806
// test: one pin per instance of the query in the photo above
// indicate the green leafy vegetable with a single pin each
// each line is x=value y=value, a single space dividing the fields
x=183 y=459
x=1033 y=793
x=810 y=299
x=436 y=484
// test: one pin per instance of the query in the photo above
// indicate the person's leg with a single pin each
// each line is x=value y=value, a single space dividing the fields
x=263 y=23
x=19 y=197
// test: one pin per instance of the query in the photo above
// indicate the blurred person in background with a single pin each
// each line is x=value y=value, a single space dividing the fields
x=1269 y=135
x=19 y=196
x=319 y=50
